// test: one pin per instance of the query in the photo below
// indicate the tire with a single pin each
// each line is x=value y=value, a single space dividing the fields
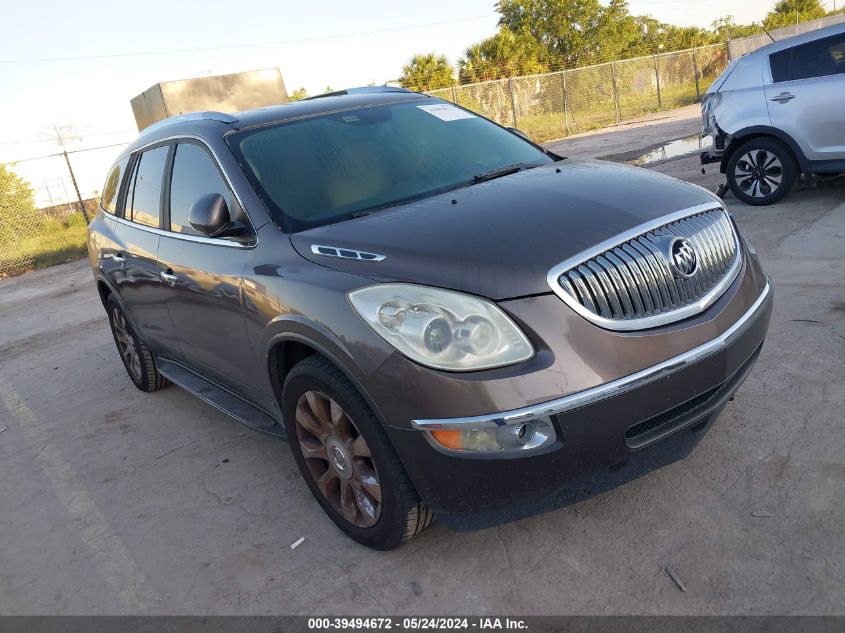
x=326 y=418
x=762 y=171
x=138 y=360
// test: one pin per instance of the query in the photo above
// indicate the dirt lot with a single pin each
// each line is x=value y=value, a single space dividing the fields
x=114 y=501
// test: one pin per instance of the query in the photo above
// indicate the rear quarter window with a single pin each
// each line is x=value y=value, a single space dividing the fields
x=108 y=199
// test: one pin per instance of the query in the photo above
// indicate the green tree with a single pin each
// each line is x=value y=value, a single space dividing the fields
x=427 y=72
x=503 y=55
x=726 y=28
x=17 y=205
x=618 y=33
x=660 y=37
x=569 y=30
x=296 y=95
x=787 y=12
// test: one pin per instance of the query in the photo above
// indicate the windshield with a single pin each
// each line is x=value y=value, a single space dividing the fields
x=336 y=165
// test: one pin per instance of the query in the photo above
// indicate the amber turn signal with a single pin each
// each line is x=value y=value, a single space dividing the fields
x=449 y=439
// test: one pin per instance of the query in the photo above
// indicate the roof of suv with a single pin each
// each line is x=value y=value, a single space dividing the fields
x=218 y=123
x=803 y=38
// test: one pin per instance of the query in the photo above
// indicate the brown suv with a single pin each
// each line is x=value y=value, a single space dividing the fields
x=442 y=317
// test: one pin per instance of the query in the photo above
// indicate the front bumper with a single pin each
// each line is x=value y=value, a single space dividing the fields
x=606 y=435
x=716 y=152
x=707 y=157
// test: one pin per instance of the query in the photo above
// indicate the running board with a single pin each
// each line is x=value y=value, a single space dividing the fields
x=220 y=399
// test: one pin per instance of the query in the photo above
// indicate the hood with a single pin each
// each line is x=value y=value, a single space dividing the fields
x=499 y=239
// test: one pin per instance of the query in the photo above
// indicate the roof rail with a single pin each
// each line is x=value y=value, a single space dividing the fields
x=362 y=90
x=208 y=115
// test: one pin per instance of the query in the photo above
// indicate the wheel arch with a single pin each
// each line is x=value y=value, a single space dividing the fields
x=762 y=131
x=104 y=290
x=302 y=339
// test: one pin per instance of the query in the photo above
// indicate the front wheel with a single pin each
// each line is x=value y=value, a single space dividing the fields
x=346 y=458
x=762 y=171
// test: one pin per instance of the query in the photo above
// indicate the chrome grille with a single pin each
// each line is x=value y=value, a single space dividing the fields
x=631 y=282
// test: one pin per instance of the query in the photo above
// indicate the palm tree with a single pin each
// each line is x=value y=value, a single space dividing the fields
x=503 y=55
x=427 y=72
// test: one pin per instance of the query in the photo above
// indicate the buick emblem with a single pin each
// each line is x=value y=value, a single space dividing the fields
x=682 y=258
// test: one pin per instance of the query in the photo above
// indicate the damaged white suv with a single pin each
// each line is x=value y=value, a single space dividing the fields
x=777 y=113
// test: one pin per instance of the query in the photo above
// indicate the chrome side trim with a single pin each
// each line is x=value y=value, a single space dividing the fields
x=181 y=236
x=346 y=253
x=608 y=389
x=658 y=319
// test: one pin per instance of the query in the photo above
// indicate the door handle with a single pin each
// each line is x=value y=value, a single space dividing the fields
x=168 y=277
x=783 y=97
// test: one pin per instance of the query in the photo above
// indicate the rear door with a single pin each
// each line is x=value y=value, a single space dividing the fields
x=805 y=96
x=103 y=226
x=203 y=293
x=136 y=275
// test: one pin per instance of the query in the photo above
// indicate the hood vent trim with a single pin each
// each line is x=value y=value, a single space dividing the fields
x=346 y=253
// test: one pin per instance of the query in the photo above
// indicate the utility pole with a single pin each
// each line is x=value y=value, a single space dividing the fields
x=62 y=135
x=76 y=188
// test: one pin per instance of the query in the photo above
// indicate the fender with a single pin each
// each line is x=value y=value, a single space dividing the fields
x=765 y=130
x=295 y=327
x=301 y=330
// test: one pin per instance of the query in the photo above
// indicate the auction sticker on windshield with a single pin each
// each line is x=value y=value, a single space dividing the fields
x=446 y=112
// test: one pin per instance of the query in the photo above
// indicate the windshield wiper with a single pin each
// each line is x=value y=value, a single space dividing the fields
x=489 y=175
x=501 y=171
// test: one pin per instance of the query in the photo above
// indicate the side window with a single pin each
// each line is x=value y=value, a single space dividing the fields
x=108 y=199
x=194 y=175
x=143 y=200
x=780 y=65
x=130 y=191
x=815 y=59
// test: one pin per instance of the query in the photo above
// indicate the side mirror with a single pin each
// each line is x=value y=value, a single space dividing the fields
x=210 y=215
x=520 y=133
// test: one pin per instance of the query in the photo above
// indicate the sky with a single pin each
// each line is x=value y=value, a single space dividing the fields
x=333 y=42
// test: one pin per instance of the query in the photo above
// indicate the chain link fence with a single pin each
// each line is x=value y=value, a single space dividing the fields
x=743 y=45
x=553 y=105
x=41 y=224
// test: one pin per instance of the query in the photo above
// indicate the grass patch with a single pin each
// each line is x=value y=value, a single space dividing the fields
x=547 y=125
x=52 y=242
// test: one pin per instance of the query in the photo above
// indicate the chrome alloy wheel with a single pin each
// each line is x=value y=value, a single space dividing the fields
x=759 y=173
x=126 y=344
x=338 y=459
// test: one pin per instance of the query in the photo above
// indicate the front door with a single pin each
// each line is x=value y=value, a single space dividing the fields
x=806 y=96
x=203 y=277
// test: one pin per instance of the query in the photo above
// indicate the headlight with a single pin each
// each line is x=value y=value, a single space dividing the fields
x=708 y=113
x=441 y=328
